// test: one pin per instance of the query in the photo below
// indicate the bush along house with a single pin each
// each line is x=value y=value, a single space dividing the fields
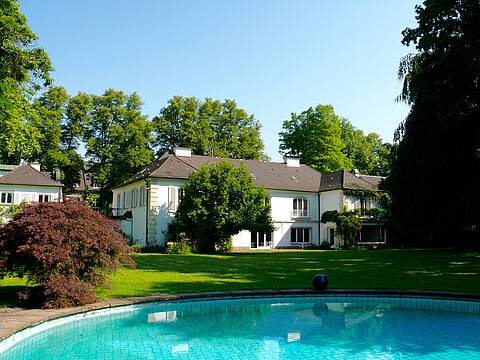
x=145 y=205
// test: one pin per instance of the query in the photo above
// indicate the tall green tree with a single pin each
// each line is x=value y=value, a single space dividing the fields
x=19 y=137
x=20 y=59
x=209 y=127
x=77 y=117
x=315 y=136
x=117 y=138
x=50 y=110
x=435 y=177
x=219 y=201
x=24 y=68
x=368 y=153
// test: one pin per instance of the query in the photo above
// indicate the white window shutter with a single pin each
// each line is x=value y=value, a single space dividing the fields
x=172 y=199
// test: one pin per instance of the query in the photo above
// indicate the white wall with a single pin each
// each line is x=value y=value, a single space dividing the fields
x=282 y=216
x=330 y=201
x=160 y=215
x=30 y=193
x=134 y=227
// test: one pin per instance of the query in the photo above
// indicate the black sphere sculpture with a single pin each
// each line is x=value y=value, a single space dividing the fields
x=320 y=282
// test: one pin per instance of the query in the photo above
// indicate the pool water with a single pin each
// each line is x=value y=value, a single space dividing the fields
x=307 y=327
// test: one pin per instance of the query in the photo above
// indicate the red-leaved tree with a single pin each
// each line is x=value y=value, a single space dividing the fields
x=64 y=249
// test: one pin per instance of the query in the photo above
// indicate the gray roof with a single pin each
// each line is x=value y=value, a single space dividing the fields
x=271 y=175
x=346 y=180
x=27 y=175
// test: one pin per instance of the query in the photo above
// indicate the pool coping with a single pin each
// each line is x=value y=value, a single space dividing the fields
x=14 y=320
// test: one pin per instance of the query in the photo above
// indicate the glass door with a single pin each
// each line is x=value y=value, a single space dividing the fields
x=260 y=240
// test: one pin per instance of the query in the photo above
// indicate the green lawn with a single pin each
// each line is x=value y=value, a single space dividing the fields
x=389 y=269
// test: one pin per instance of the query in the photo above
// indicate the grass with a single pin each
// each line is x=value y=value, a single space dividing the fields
x=389 y=269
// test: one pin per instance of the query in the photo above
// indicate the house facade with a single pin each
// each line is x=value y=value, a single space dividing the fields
x=26 y=184
x=145 y=205
x=337 y=192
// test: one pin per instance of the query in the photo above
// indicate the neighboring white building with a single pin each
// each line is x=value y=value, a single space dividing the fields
x=26 y=184
x=145 y=205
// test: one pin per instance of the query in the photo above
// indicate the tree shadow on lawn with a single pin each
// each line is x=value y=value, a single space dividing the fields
x=387 y=269
x=412 y=269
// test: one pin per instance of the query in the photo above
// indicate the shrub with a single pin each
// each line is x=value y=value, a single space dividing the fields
x=180 y=247
x=225 y=245
x=135 y=248
x=348 y=226
x=65 y=249
x=152 y=249
x=6 y=212
x=325 y=245
x=177 y=248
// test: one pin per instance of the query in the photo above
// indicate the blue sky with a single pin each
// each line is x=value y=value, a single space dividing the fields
x=273 y=57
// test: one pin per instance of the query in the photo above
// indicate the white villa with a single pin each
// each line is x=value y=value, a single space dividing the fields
x=26 y=184
x=145 y=205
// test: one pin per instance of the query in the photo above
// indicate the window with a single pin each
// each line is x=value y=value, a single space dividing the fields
x=119 y=200
x=145 y=196
x=173 y=193
x=27 y=198
x=127 y=199
x=6 y=198
x=364 y=204
x=134 y=197
x=142 y=200
x=300 y=235
x=260 y=240
x=267 y=201
x=123 y=200
x=300 y=207
x=44 y=198
x=331 y=236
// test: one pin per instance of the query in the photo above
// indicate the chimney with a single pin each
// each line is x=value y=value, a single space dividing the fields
x=36 y=166
x=56 y=174
x=291 y=161
x=182 y=151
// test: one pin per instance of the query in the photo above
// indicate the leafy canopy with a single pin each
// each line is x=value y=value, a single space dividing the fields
x=117 y=139
x=219 y=201
x=24 y=68
x=435 y=176
x=209 y=127
x=368 y=153
x=329 y=143
x=315 y=136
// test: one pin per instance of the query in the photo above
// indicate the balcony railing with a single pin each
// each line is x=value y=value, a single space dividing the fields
x=300 y=213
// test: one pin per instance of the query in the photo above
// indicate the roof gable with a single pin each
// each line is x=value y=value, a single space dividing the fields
x=27 y=175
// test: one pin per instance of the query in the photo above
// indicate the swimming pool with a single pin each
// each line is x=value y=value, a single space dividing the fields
x=267 y=327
